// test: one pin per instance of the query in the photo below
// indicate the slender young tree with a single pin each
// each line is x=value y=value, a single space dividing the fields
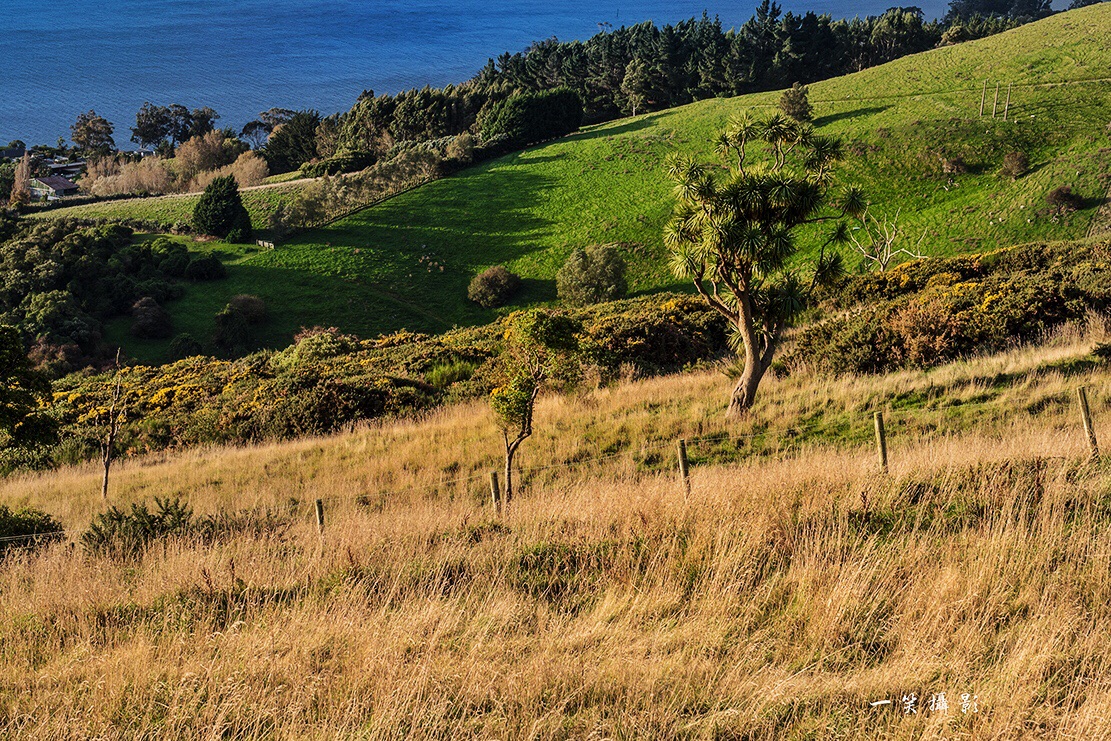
x=114 y=417
x=736 y=237
x=541 y=349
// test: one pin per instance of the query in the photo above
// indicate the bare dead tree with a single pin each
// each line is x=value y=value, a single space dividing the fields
x=878 y=242
x=116 y=411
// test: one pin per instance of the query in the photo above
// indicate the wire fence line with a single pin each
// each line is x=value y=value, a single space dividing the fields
x=703 y=443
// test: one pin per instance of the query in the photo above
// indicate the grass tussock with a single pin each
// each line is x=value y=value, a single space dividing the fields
x=795 y=587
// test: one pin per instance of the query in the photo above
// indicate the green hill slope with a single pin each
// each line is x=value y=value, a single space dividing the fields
x=407 y=262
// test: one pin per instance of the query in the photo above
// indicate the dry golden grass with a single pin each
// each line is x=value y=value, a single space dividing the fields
x=794 y=588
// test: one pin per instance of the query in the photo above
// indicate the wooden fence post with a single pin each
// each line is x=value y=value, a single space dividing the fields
x=995 y=105
x=495 y=491
x=881 y=441
x=684 y=468
x=1007 y=105
x=320 y=515
x=1086 y=418
x=983 y=98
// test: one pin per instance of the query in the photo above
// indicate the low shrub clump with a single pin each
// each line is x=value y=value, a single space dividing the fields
x=1015 y=164
x=27 y=530
x=1063 y=200
x=126 y=534
x=493 y=287
x=592 y=275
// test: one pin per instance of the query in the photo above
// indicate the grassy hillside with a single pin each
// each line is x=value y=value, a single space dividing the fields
x=407 y=262
x=793 y=589
x=261 y=202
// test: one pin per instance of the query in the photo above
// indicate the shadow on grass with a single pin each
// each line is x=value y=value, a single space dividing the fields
x=639 y=124
x=844 y=116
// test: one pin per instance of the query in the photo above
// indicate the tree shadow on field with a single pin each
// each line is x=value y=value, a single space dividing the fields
x=636 y=125
x=845 y=115
x=535 y=290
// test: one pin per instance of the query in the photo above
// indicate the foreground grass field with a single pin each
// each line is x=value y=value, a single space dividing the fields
x=406 y=263
x=794 y=587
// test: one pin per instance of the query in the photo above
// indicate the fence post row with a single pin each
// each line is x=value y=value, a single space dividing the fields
x=881 y=441
x=881 y=452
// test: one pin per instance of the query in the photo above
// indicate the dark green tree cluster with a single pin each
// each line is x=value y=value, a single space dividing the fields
x=292 y=142
x=646 y=67
x=527 y=118
x=62 y=281
x=167 y=126
x=220 y=212
x=642 y=68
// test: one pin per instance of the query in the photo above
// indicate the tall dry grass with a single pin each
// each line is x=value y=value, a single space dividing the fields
x=795 y=587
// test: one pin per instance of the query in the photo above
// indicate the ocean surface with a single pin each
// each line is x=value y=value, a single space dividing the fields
x=62 y=57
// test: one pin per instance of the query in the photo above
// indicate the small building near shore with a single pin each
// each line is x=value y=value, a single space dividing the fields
x=52 y=187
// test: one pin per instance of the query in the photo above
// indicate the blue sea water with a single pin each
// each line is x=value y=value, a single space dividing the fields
x=62 y=57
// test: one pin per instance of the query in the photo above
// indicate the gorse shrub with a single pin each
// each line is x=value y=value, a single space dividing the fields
x=121 y=533
x=493 y=287
x=27 y=530
x=327 y=380
x=931 y=311
x=592 y=275
x=126 y=534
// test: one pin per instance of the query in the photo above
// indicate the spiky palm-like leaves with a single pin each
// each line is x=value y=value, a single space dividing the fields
x=735 y=237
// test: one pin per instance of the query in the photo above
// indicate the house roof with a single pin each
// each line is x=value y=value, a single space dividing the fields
x=56 y=183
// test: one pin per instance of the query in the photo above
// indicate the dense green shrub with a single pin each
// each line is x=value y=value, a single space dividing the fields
x=185 y=345
x=64 y=280
x=592 y=275
x=338 y=164
x=220 y=211
x=149 y=320
x=205 y=267
x=27 y=530
x=493 y=287
x=233 y=331
x=446 y=374
x=252 y=308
